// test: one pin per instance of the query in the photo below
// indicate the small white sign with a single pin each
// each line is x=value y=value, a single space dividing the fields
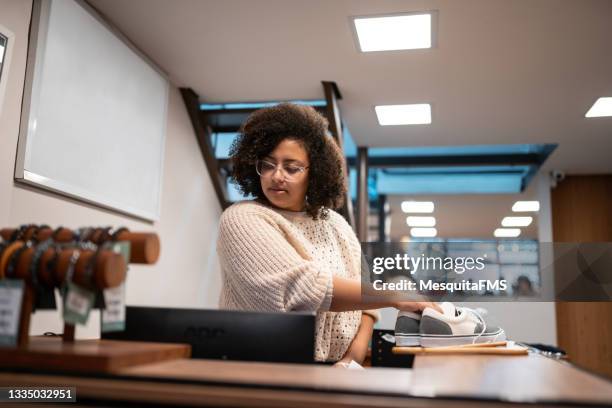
x=113 y=315
x=11 y=296
x=77 y=302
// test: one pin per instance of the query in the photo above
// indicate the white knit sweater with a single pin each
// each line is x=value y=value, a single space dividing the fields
x=276 y=260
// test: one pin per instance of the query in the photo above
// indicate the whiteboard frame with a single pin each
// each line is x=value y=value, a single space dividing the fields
x=36 y=49
x=6 y=62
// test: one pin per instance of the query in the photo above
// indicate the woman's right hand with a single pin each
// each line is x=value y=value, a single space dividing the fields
x=417 y=306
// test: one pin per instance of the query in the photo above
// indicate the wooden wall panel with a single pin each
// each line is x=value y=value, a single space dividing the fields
x=582 y=212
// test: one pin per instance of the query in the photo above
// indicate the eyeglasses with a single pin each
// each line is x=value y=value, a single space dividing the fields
x=291 y=172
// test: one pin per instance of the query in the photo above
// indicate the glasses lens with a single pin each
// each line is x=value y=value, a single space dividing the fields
x=289 y=172
x=292 y=172
x=264 y=168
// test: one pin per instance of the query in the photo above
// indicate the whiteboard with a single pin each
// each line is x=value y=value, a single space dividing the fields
x=94 y=113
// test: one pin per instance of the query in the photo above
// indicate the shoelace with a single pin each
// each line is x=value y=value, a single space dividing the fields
x=482 y=322
x=478 y=313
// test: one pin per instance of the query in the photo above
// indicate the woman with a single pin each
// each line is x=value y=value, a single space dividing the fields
x=287 y=249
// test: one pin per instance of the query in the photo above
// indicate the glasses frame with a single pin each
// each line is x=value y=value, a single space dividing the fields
x=286 y=177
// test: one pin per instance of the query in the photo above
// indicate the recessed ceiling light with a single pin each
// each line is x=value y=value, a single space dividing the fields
x=1 y=53
x=399 y=32
x=601 y=107
x=414 y=221
x=507 y=232
x=423 y=232
x=516 y=221
x=414 y=114
x=526 y=206
x=417 y=206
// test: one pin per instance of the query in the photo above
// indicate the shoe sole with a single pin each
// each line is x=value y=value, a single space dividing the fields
x=444 y=340
x=407 y=340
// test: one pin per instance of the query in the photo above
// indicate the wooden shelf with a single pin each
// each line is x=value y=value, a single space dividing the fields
x=99 y=356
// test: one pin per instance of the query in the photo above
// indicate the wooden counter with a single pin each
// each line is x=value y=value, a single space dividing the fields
x=531 y=378
x=434 y=381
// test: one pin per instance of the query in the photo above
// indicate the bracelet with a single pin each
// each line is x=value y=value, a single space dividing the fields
x=29 y=232
x=99 y=235
x=37 y=231
x=35 y=262
x=3 y=246
x=88 y=233
x=14 y=259
x=18 y=233
x=93 y=238
x=106 y=235
x=79 y=233
x=6 y=254
x=51 y=265
x=56 y=232
x=87 y=246
x=89 y=270
x=76 y=254
x=25 y=234
x=118 y=232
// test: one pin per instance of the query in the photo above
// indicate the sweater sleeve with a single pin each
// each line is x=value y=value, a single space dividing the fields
x=264 y=270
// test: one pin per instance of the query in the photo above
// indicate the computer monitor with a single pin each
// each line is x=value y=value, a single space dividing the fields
x=225 y=334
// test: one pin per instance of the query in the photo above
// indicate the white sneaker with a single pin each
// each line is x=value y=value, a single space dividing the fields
x=407 y=329
x=456 y=326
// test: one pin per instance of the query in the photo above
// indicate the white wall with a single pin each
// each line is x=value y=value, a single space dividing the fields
x=187 y=273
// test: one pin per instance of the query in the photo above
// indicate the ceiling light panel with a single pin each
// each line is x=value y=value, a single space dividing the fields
x=601 y=107
x=392 y=33
x=526 y=206
x=415 y=221
x=411 y=114
x=507 y=232
x=417 y=206
x=423 y=232
x=516 y=221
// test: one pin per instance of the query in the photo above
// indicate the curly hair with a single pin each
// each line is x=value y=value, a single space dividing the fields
x=265 y=128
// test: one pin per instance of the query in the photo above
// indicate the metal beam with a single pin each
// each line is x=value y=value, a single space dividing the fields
x=332 y=111
x=533 y=170
x=202 y=132
x=431 y=171
x=411 y=161
x=243 y=111
x=362 y=194
x=225 y=129
x=382 y=217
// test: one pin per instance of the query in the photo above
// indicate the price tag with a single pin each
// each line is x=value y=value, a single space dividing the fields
x=77 y=304
x=11 y=297
x=113 y=316
x=121 y=247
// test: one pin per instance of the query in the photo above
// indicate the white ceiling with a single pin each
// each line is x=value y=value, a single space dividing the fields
x=502 y=72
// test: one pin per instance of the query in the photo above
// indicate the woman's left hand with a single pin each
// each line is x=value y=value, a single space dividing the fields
x=344 y=363
x=359 y=346
x=350 y=364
